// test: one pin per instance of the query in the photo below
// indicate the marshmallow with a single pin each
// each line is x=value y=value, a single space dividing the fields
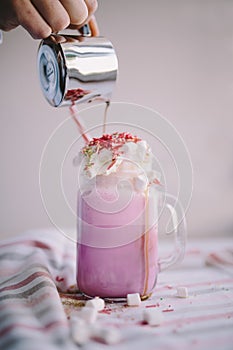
x=133 y=299
x=182 y=292
x=75 y=319
x=88 y=314
x=80 y=332
x=96 y=303
x=108 y=335
x=153 y=317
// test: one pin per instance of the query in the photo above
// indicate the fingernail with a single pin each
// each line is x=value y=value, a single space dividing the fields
x=85 y=30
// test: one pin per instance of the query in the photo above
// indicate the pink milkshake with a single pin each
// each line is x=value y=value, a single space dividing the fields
x=117 y=218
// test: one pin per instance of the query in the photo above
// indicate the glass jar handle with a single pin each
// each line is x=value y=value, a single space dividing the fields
x=179 y=229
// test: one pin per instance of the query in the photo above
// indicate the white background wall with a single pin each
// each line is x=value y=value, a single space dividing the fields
x=181 y=53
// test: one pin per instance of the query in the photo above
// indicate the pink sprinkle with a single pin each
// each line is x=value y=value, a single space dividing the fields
x=169 y=286
x=153 y=305
x=168 y=310
x=114 y=140
x=156 y=182
x=111 y=164
x=59 y=279
x=106 y=311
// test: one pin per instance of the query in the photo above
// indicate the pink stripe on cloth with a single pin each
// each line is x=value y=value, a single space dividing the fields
x=30 y=243
x=225 y=258
x=25 y=281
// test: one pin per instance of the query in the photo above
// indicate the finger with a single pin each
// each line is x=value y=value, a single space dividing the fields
x=77 y=10
x=8 y=17
x=58 y=39
x=93 y=26
x=92 y=6
x=53 y=13
x=31 y=20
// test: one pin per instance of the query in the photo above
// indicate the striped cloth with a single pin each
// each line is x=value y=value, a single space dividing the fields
x=37 y=293
x=31 y=313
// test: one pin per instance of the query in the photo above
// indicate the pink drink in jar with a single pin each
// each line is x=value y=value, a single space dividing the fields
x=117 y=248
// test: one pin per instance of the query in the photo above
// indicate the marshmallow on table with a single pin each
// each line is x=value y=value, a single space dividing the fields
x=80 y=331
x=108 y=335
x=88 y=314
x=182 y=292
x=153 y=317
x=133 y=299
x=96 y=303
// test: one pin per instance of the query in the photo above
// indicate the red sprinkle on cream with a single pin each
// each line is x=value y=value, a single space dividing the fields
x=110 y=141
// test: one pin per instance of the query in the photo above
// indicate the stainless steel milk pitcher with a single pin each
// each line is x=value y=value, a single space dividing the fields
x=76 y=68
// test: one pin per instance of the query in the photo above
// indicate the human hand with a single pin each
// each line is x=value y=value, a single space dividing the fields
x=42 y=17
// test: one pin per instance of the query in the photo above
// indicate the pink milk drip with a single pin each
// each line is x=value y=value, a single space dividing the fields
x=117 y=240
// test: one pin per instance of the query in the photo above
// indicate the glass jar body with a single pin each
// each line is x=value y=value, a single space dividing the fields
x=117 y=246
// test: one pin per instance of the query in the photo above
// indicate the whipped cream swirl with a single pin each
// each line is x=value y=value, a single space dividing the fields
x=119 y=152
